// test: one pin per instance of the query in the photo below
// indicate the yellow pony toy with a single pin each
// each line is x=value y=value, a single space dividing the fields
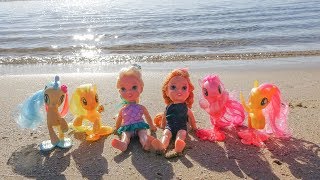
x=267 y=114
x=84 y=105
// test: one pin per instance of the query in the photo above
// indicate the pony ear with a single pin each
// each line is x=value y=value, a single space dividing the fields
x=95 y=87
x=255 y=83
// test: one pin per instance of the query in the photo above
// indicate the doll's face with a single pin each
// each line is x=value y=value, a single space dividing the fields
x=53 y=97
x=130 y=88
x=178 y=89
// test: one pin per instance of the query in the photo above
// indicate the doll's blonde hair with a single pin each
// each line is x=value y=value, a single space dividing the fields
x=134 y=70
x=178 y=72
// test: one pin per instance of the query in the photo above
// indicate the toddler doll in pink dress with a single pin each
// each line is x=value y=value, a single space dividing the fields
x=130 y=121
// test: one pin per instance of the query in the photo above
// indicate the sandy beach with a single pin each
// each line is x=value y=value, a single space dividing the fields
x=294 y=158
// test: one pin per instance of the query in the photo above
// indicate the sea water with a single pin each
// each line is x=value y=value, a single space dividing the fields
x=125 y=31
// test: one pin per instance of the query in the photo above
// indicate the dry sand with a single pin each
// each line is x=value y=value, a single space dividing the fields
x=296 y=158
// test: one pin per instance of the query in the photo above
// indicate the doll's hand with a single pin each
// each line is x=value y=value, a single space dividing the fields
x=194 y=130
x=115 y=131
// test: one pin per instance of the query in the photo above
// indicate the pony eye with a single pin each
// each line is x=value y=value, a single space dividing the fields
x=219 y=89
x=205 y=91
x=134 y=87
x=184 y=88
x=173 y=87
x=61 y=99
x=46 y=99
x=264 y=101
x=97 y=98
x=84 y=101
x=123 y=89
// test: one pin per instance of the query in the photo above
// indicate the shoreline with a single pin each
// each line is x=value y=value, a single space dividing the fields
x=217 y=65
x=95 y=56
x=294 y=158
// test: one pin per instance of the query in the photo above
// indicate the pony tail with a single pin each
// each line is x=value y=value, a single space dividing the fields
x=30 y=114
x=278 y=115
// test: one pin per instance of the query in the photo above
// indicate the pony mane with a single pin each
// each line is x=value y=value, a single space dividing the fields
x=57 y=85
x=276 y=113
x=30 y=114
x=75 y=103
x=231 y=112
x=210 y=79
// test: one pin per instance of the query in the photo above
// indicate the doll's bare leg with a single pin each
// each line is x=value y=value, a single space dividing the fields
x=123 y=144
x=53 y=137
x=179 y=143
x=166 y=138
x=148 y=142
x=144 y=140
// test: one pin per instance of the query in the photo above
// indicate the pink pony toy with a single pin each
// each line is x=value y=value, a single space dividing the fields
x=223 y=110
x=267 y=114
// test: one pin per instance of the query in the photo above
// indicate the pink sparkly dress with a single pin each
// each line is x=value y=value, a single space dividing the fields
x=132 y=118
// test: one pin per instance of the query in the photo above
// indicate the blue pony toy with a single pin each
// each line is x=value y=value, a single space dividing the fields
x=51 y=98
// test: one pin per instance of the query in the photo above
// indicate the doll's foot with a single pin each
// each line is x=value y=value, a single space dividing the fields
x=116 y=143
x=157 y=146
x=148 y=145
x=105 y=130
x=179 y=145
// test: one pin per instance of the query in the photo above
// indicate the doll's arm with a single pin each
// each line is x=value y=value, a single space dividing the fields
x=119 y=120
x=192 y=120
x=149 y=119
x=163 y=121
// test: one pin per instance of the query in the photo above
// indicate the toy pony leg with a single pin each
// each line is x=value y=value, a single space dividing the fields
x=212 y=135
x=63 y=142
x=50 y=144
x=53 y=136
x=78 y=121
x=93 y=134
x=61 y=134
x=64 y=125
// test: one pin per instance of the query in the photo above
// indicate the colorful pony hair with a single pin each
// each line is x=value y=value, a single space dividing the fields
x=218 y=103
x=75 y=102
x=134 y=70
x=30 y=113
x=178 y=72
x=276 y=112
